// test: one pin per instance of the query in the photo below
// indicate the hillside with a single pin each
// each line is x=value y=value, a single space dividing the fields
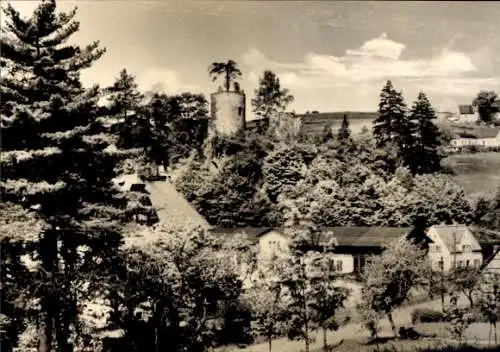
x=477 y=173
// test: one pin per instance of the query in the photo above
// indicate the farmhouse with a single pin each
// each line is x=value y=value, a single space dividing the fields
x=480 y=137
x=489 y=241
x=466 y=113
x=353 y=244
x=453 y=246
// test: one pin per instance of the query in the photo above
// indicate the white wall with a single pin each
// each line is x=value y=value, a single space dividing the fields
x=451 y=259
x=272 y=242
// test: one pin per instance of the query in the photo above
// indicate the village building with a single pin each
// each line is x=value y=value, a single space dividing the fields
x=483 y=136
x=453 y=246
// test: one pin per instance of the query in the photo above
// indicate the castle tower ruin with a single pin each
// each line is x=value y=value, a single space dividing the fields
x=228 y=111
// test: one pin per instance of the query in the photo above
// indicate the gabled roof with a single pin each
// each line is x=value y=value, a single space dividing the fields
x=359 y=236
x=352 y=236
x=466 y=110
x=453 y=235
x=485 y=236
x=251 y=233
x=482 y=132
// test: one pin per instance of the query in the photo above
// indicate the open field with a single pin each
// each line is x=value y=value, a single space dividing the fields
x=477 y=173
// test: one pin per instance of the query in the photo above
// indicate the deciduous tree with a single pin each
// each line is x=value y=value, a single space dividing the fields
x=487 y=106
x=270 y=99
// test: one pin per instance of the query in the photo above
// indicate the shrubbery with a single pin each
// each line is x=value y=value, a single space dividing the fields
x=427 y=315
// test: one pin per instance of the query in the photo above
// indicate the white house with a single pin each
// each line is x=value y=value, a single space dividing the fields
x=453 y=246
x=467 y=113
x=480 y=137
x=352 y=243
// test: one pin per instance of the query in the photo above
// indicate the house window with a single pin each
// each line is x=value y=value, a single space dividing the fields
x=460 y=263
x=435 y=248
x=240 y=111
x=466 y=248
x=441 y=264
x=476 y=262
x=467 y=262
x=339 y=265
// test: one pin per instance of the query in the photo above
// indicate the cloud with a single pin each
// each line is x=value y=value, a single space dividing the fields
x=163 y=79
x=361 y=72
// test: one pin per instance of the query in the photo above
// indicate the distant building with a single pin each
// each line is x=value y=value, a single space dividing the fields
x=483 y=136
x=453 y=246
x=467 y=113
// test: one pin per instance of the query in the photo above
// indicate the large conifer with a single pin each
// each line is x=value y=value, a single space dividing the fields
x=393 y=125
x=55 y=161
x=425 y=154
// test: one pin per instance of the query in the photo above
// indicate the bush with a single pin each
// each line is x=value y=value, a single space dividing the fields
x=427 y=315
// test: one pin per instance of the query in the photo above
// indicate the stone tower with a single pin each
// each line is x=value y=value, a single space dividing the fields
x=228 y=111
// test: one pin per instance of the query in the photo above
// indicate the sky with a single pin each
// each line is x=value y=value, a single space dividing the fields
x=331 y=55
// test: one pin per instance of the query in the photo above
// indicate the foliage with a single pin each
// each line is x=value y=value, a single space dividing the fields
x=228 y=69
x=389 y=277
x=466 y=280
x=489 y=300
x=426 y=157
x=270 y=99
x=282 y=169
x=484 y=102
x=185 y=277
x=427 y=315
x=488 y=210
x=392 y=125
x=59 y=166
x=458 y=318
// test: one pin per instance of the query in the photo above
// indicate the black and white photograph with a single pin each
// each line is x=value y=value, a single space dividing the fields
x=249 y=176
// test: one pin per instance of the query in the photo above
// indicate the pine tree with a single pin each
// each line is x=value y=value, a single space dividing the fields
x=55 y=161
x=393 y=126
x=344 y=133
x=425 y=154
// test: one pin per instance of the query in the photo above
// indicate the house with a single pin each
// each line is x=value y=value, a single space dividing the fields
x=489 y=241
x=466 y=113
x=352 y=244
x=483 y=136
x=453 y=246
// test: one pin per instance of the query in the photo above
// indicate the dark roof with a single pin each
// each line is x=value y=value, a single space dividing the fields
x=357 y=236
x=353 y=236
x=485 y=236
x=480 y=132
x=316 y=122
x=256 y=123
x=251 y=233
x=465 y=110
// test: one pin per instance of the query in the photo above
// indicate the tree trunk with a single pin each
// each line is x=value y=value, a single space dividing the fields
x=45 y=333
x=391 y=321
x=471 y=300
x=325 y=340
x=228 y=81
x=269 y=342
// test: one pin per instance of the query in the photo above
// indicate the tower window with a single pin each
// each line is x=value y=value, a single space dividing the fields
x=240 y=111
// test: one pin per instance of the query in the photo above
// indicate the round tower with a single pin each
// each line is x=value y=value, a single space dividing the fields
x=228 y=112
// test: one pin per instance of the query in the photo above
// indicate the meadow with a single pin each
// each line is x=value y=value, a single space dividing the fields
x=478 y=173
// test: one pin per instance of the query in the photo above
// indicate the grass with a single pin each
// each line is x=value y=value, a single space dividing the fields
x=478 y=174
